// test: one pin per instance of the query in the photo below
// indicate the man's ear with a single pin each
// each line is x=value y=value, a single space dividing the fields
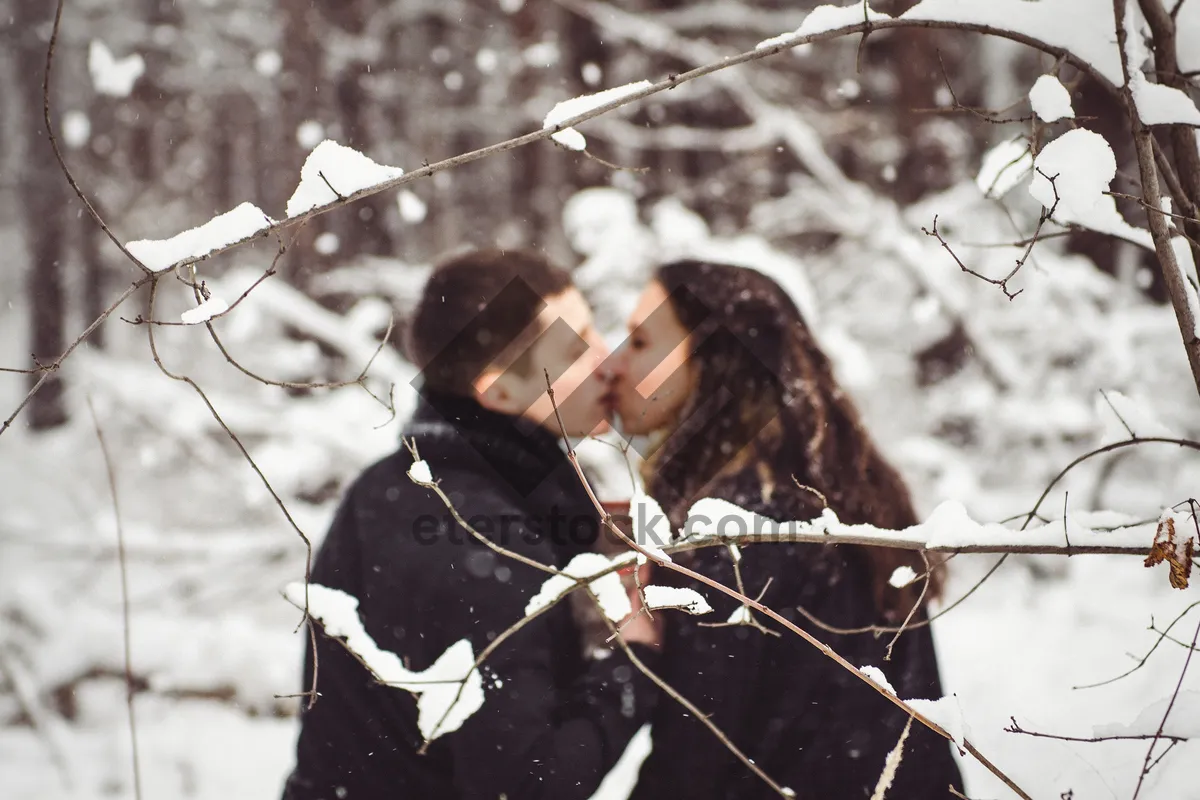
x=492 y=392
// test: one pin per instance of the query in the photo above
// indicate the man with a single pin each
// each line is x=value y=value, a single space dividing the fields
x=489 y=327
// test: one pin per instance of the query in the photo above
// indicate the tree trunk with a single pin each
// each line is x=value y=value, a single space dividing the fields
x=44 y=202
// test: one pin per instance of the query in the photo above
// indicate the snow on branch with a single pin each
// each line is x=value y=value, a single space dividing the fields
x=688 y=600
x=609 y=590
x=220 y=232
x=333 y=172
x=448 y=692
x=948 y=528
x=824 y=19
x=1156 y=104
x=204 y=312
x=565 y=110
x=1082 y=164
x=1050 y=99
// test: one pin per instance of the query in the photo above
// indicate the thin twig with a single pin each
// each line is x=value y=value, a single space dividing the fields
x=130 y=689
x=1014 y=727
x=253 y=465
x=1158 y=734
x=696 y=713
x=62 y=163
x=49 y=369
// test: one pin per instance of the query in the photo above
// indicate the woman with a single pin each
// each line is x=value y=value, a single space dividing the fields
x=722 y=366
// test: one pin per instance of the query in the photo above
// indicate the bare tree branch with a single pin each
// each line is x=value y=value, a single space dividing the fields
x=130 y=689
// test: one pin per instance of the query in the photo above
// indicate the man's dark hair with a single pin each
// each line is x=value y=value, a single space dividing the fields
x=476 y=310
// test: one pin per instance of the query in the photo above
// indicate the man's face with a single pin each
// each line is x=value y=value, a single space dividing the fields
x=570 y=348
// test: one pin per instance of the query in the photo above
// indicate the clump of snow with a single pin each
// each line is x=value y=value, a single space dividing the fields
x=1004 y=166
x=76 y=129
x=1082 y=165
x=591 y=73
x=1050 y=99
x=876 y=674
x=412 y=208
x=441 y=708
x=112 y=76
x=219 y=232
x=343 y=168
x=740 y=616
x=684 y=599
x=204 y=312
x=327 y=243
x=946 y=713
x=571 y=138
x=827 y=18
x=309 y=134
x=1156 y=104
x=614 y=600
x=902 y=577
x=268 y=63
x=419 y=472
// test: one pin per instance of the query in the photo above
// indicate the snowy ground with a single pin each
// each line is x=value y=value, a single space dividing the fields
x=214 y=642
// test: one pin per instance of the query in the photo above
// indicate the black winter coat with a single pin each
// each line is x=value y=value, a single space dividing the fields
x=811 y=725
x=553 y=721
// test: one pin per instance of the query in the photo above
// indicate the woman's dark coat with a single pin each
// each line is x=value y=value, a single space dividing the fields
x=807 y=722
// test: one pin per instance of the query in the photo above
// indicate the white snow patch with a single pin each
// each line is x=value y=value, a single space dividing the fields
x=334 y=165
x=876 y=674
x=112 y=76
x=309 y=134
x=826 y=18
x=412 y=208
x=419 y=472
x=1050 y=99
x=204 y=312
x=949 y=526
x=684 y=599
x=1082 y=164
x=614 y=600
x=571 y=138
x=219 y=232
x=1156 y=104
x=740 y=616
x=267 y=63
x=76 y=129
x=440 y=707
x=945 y=712
x=327 y=243
x=902 y=577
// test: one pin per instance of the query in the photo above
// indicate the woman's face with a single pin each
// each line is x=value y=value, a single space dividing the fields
x=651 y=373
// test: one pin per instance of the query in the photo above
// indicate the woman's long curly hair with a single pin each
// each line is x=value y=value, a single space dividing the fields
x=766 y=412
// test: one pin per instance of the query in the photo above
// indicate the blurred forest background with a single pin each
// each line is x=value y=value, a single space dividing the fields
x=819 y=166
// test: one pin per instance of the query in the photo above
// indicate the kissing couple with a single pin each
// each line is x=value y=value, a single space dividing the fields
x=722 y=375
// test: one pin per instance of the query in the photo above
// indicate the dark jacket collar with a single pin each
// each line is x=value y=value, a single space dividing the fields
x=453 y=430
